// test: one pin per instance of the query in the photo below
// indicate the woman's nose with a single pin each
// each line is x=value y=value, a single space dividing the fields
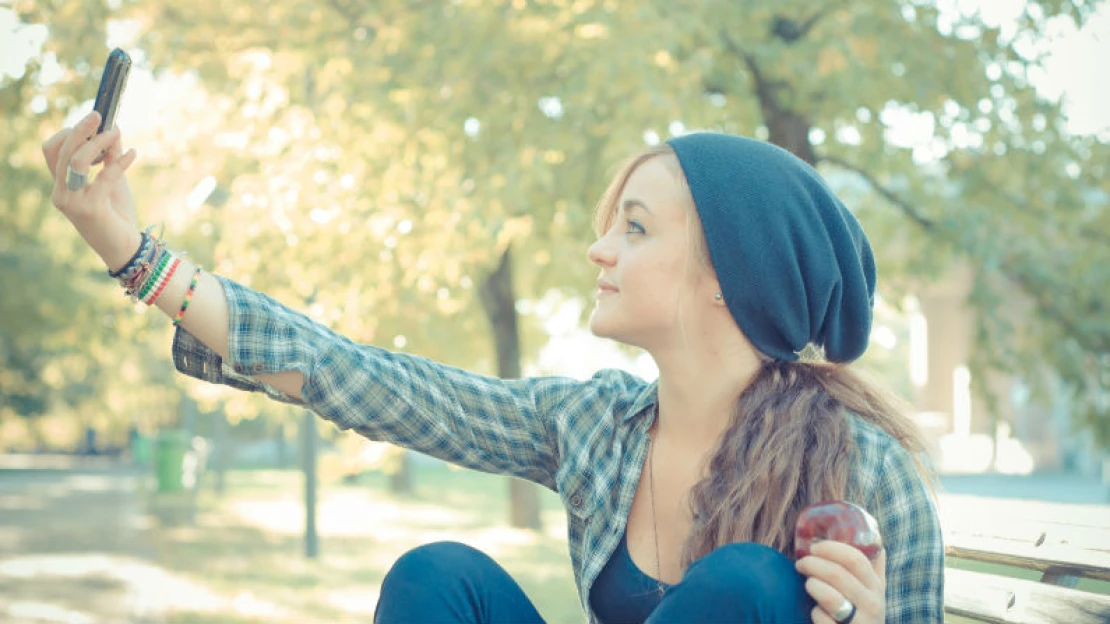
x=601 y=253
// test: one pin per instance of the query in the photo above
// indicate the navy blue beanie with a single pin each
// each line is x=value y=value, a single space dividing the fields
x=793 y=263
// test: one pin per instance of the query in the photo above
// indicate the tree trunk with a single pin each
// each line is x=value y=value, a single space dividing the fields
x=499 y=302
x=222 y=455
x=789 y=131
x=400 y=480
x=308 y=455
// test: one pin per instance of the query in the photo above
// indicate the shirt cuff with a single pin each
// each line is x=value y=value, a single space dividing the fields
x=264 y=336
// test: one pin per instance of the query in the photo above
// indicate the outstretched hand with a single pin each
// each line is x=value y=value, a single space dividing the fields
x=836 y=572
x=103 y=210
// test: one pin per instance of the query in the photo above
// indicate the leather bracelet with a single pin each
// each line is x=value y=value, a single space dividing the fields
x=130 y=263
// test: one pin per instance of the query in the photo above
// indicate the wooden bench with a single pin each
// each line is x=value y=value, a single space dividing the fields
x=1060 y=554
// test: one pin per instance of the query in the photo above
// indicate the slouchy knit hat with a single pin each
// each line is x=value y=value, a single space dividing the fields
x=793 y=263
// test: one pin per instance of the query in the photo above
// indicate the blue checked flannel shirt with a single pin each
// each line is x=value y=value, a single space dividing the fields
x=586 y=440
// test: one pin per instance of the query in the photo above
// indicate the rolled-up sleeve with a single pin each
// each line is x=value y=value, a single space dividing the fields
x=508 y=427
x=913 y=539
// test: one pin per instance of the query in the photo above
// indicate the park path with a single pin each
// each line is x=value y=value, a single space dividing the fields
x=73 y=545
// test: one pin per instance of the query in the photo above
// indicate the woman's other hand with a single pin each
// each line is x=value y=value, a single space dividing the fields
x=837 y=572
x=101 y=209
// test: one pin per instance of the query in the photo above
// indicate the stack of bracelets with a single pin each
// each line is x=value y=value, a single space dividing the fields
x=147 y=273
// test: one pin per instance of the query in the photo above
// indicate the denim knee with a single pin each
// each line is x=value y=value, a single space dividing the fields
x=745 y=569
x=436 y=561
x=740 y=582
x=451 y=582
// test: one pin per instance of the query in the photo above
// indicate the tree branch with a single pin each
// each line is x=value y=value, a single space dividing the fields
x=926 y=223
x=1027 y=207
x=763 y=89
x=1049 y=307
x=790 y=30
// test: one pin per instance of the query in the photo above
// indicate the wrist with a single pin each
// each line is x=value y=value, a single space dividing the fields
x=119 y=254
x=115 y=242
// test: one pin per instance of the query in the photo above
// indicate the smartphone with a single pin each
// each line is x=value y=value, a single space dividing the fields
x=108 y=95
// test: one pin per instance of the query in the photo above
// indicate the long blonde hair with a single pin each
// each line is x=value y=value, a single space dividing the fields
x=789 y=442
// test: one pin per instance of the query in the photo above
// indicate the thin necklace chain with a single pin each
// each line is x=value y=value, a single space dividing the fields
x=654 y=523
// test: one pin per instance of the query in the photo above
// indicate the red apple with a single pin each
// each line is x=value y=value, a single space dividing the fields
x=840 y=521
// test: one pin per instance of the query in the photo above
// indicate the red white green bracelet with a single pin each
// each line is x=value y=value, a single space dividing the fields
x=161 y=262
x=164 y=280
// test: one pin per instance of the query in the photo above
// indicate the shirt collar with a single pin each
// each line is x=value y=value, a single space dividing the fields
x=645 y=402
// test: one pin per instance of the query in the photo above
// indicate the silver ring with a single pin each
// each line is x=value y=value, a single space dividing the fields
x=845 y=613
x=75 y=181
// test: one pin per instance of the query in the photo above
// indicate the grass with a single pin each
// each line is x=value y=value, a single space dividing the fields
x=247 y=546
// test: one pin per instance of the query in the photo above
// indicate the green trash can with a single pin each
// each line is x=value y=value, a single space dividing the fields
x=169 y=459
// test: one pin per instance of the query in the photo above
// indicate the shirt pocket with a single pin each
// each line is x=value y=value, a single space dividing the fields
x=578 y=487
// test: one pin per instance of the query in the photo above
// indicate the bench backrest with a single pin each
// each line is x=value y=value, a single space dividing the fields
x=1060 y=554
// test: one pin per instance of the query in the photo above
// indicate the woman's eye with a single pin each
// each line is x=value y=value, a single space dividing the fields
x=634 y=228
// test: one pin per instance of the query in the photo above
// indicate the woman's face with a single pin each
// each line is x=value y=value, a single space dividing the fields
x=653 y=276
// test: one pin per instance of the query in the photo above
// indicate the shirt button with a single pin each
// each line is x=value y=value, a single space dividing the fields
x=576 y=501
x=239 y=369
x=257 y=368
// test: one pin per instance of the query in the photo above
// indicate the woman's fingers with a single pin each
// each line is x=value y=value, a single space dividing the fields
x=52 y=146
x=82 y=159
x=110 y=175
x=836 y=572
x=827 y=598
x=114 y=152
x=855 y=562
x=82 y=132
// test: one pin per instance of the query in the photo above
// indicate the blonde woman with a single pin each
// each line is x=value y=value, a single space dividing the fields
x=723 y=258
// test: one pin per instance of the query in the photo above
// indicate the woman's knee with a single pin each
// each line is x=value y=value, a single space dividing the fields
x=740 y=582
x=747 y=569
x=438 y=560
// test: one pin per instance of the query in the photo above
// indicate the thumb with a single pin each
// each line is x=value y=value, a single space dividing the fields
x=879 y=565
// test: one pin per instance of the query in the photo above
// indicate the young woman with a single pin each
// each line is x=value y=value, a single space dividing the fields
x=723 y=258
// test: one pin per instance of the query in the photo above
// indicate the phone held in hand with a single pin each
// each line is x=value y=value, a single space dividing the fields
x=108 y=95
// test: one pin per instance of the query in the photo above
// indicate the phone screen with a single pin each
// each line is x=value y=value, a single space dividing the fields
x=111 y=88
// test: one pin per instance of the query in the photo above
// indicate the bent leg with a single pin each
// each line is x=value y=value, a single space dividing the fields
x=741 y=582
x=451 y=582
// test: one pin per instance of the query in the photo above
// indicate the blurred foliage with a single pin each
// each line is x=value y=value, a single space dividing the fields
x=373 y=161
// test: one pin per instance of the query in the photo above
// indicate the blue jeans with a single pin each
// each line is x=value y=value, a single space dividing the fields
x=741 y=583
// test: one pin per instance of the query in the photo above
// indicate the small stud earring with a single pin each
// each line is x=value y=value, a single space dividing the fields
x=718 y=296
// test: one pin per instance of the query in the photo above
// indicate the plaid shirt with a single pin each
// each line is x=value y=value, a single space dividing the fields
x=586 y=440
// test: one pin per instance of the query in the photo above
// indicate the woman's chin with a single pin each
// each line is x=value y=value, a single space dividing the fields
x=598 y=326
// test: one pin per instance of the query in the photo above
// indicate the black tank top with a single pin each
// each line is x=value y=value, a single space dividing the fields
x=622 y=593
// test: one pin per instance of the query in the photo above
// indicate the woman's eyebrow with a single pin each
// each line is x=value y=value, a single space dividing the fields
x=630 y=203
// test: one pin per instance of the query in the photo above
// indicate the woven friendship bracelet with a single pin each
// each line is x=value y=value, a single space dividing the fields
x=188 y=297
x=136 y=277
x=144 y=245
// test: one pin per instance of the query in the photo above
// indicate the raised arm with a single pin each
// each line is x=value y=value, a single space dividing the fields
x=233 y=335
x=103 y=213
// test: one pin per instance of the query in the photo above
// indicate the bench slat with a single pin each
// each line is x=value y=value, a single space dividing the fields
x=999 y=600
x=1059 y=560
x=1048 y=534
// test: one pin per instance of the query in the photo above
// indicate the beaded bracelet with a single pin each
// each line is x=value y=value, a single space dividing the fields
x=163 y=282
x=165 y=258
x=188 y=297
